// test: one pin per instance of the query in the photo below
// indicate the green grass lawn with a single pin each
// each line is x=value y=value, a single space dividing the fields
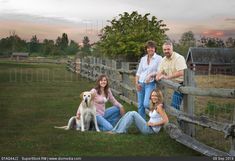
x=36 y=97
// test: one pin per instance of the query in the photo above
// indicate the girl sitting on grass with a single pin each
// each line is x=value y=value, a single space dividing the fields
x=157 y=119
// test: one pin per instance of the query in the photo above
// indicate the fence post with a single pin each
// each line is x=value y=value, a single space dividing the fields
x=81 y=66
x=232 y=149
x=98 y=68
x=188 y=105
x=209 y=69
x=92 y=67
x=78 y=65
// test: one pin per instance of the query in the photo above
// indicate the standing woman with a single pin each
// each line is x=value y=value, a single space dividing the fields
x=145 y=75
x=106 y=118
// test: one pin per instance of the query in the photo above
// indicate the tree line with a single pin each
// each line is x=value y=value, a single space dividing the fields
x=60 y=47
x=188 y=40
x=123 y=38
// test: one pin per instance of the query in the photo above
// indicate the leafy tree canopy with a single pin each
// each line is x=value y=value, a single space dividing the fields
x=211 y=42
x=127 y=34
x=73 y=48
x=186 y=41
x=86 y=48
x=11 y=44
x=34 y=44
x=62 y=42
x=230 y=42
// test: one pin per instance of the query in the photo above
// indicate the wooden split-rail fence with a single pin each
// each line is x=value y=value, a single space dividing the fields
x=121 y=76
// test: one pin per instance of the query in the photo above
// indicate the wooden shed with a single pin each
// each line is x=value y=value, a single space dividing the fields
x=211 y=60
x=19 y=56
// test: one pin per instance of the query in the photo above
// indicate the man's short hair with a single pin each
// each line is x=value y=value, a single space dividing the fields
x=168 y=43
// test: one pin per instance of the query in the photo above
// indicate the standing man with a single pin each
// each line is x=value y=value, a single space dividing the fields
x=145 y=75
x=172 y=68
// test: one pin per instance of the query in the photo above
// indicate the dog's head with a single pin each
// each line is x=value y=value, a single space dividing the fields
x=87 y=97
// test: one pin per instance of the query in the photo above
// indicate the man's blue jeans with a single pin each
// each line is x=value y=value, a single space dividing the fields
x=177 y=99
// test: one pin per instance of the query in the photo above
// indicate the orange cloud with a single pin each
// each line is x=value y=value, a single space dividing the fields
x=213 y=33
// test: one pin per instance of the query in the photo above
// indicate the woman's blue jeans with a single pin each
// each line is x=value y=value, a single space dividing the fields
x=128 y=119
x=109 y=120
x=144 y=97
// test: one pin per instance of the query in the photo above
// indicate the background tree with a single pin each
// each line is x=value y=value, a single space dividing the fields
x=48 y=47
x=186 y=41
x=86 y=48
x=12 y=44
x=5 y=46
x=230 y=42
x=62 y=44
x=64 y=41
x=126 y=35
x=211 y=42
x=58 y=41
x=34 y=45
x=73 y=48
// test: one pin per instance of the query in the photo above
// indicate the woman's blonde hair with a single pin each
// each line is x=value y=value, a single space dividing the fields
x=152 y=105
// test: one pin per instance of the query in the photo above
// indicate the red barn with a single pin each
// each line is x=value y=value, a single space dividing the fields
x=211 y=60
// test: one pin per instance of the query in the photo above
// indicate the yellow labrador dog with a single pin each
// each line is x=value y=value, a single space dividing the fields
x=87 y=113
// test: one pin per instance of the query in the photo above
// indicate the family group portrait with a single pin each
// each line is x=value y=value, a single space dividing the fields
x=130 y=80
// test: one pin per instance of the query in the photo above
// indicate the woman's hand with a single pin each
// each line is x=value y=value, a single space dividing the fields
x=149 y=77
x=122 y=111
x=78 y=116
x=138 y=87
x=150 y=124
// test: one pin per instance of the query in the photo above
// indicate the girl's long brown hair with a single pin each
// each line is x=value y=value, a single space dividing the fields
x=106 y=88
x=152 y=105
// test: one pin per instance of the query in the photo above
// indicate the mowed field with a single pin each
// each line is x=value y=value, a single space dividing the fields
x=36 y=97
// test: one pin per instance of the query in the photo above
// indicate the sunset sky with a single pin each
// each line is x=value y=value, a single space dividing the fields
x=78 y=18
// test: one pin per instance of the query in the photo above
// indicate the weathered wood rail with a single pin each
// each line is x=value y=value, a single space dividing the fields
x=121 y=76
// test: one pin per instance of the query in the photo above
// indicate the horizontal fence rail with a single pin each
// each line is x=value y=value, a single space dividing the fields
x=213 y=92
